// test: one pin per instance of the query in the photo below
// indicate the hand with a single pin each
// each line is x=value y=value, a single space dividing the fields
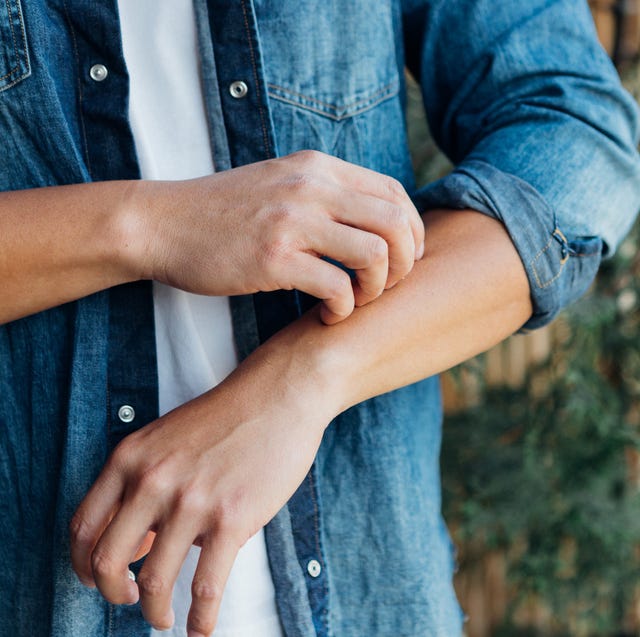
x=266 y=226
x=212 y=472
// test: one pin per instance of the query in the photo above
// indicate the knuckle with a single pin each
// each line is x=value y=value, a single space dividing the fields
x=103 y=565
x=123 y=455
x=277 y=252
x=339 y=286
x=376 y=249
x=281 y=217
x=150 y=584
x=307 y=157
x=190 y=502
x=206 y=590
x=227 y=521
x=300 y=182
x=395 y=188
x=154 y=482
x=395 y=218
x=206 y=595
x=80 y=530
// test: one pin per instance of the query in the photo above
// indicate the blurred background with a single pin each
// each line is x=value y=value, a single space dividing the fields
x=541 y=448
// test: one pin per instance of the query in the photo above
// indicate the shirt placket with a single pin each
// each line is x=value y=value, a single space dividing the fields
x=109 y=150
x=241 y=106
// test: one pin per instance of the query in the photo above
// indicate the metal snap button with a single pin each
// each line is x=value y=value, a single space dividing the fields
x=98 y=72
x=238 y=89
x=313 y=568
x=126 y=413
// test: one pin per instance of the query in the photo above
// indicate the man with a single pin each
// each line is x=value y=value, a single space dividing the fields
x=307 y=428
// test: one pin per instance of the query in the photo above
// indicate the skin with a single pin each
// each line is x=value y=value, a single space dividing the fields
x=212 y=235
x=215 y=470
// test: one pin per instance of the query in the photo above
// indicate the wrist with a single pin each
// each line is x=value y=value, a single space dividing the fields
x=316 y=365
x=131 y=234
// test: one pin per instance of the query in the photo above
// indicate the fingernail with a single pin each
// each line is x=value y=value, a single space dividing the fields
x=132 y=576
x=194 y=633
x=420 y=251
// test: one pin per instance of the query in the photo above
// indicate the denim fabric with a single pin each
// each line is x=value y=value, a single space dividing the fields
x=520 y=96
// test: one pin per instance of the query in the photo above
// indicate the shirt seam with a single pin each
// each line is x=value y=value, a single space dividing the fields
x=265 y=136
x=80 y=95
x=16 y=68
x=336 y=118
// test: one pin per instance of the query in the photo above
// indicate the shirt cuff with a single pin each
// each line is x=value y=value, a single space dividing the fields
x=559 y=265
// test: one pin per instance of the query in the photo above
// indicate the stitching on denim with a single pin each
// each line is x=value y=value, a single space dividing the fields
x=77 y=56
x=583 y=255
x=13 y=38
x=336 y=118
x=316 y=512
x=110 y=621
x=14 y=73
x=338 y=109
x=535 y=271
x=320 y=555
x=265 y=135
x=23 y=31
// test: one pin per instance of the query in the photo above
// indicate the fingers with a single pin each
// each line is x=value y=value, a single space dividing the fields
x=161 y=568
x=90 y=520
x=391 y=190
x=363 y=180
x=116 y=549
x=364 y=252
x=386 y=220
x=216 y=559
x=327 y=282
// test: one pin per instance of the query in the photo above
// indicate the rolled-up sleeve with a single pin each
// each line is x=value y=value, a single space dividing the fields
x=525 y=102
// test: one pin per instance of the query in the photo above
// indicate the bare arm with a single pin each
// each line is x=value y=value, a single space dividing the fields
x=217 y=469
x=61 y=243
x=264 y=226
x=467 y=294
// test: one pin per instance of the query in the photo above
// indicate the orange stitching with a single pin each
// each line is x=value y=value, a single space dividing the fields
x=541 y=285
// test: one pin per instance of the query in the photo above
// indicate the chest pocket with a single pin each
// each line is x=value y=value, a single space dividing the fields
x=14 y=54
x=335 y=59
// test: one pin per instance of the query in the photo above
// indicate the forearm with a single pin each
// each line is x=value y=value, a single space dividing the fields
x=61 y=243
x=468 y=293
x=212 y=236
x=219 y=467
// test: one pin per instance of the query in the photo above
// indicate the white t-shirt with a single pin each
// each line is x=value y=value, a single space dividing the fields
x=194 y=337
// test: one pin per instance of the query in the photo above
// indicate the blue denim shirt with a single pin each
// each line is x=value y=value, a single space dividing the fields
x=519 y=94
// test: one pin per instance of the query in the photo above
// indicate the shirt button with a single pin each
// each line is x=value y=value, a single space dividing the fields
x=238 y=89
x=313 y=568
x=98 y=72
x=126 y=413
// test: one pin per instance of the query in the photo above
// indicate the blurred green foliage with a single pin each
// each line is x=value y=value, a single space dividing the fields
x=549 y=473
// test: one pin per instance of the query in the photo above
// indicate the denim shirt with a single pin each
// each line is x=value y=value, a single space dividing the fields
x=520 y=96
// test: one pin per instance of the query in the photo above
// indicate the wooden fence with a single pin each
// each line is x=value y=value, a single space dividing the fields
x=482 y=585
x=618 y=25
x=505 y=365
